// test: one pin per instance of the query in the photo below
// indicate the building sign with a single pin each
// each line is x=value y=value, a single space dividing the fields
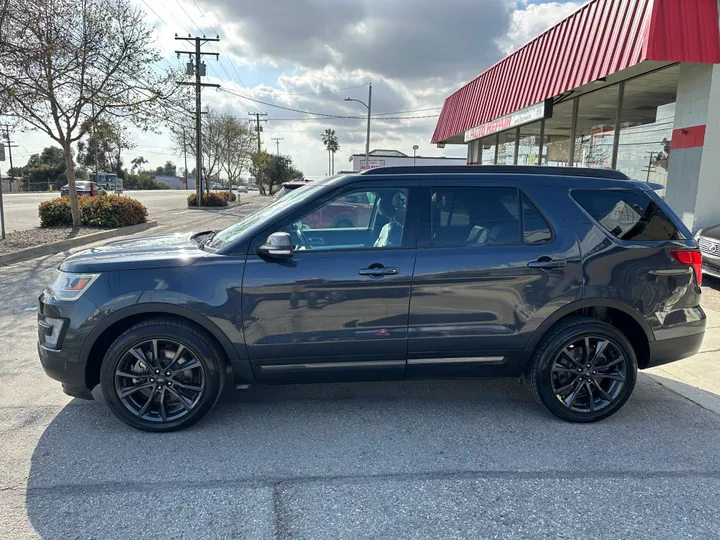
x=517 y=118
x=374 y=164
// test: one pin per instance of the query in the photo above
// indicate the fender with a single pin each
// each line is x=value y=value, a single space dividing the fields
x=580 y=304
x=240 y=366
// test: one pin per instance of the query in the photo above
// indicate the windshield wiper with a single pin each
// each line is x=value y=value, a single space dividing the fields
x=207 y=238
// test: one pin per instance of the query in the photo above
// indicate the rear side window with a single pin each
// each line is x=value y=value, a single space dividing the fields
x=627 y=214
x=471 y=216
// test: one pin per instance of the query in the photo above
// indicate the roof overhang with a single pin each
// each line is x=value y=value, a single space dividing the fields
x=602 y=38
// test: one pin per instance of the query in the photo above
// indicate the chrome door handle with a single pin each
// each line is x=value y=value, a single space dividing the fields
x=546 y=263
x=378 y=271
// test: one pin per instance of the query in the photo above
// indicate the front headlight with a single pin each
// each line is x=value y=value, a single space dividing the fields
x=69 y=286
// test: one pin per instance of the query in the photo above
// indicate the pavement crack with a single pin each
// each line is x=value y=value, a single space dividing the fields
x=277 y=485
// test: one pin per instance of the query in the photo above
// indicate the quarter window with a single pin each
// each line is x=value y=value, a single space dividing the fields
x=627 y=214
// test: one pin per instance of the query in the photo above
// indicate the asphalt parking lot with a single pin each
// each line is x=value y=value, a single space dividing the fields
x=427 y=459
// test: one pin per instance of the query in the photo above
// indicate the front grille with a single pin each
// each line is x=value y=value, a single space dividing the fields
x=709 y=246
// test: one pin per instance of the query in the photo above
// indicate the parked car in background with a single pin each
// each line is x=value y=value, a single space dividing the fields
x=570 y=278
x=287 y=187
x=242 y=189
x=86 y=189
x=709 y=241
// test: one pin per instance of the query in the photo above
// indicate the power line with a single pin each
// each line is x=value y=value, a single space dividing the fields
x=323 y=115
x=321 y=92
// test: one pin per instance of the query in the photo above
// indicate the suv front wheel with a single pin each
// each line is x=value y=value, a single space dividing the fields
x=162 y=375
x=584 y=370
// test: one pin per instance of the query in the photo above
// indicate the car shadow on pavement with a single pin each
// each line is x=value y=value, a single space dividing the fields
x=92 y=476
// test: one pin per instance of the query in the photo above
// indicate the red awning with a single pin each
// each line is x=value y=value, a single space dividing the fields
x=601 y=38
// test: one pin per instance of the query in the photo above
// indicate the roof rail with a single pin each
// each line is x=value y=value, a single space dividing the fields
x=502 y=169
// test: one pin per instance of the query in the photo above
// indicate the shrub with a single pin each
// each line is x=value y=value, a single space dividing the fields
x=162 y=185
x=229 y=196
x=112 y=211
x=109 y=211
x=55 y=212
x=213 y=199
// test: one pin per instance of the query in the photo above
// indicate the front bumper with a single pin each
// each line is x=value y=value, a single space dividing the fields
x=63 y=362
x=70 y=374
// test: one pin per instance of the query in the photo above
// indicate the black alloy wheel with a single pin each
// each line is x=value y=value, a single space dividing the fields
x=583 y=370
x=159 y=380
x=162 y=375
x=589 y=374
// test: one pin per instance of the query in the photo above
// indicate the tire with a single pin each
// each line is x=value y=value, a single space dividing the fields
x=155 y=401
x=559 y=367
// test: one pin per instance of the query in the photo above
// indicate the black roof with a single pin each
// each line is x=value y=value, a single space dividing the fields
x=503 y=169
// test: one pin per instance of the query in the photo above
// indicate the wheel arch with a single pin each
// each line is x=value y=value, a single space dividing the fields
x=621 y=315
x=110 y=328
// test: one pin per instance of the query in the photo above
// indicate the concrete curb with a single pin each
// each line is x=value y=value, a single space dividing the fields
x=62 y=245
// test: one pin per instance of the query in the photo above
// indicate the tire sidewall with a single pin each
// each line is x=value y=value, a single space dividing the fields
x=135 y=336
x=562 y=339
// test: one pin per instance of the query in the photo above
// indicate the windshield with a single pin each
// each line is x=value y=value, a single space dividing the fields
x=276 y=207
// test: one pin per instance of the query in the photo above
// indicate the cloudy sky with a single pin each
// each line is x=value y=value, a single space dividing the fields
x=309 y=55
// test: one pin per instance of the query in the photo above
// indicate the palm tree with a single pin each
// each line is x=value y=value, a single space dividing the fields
x=332 y=145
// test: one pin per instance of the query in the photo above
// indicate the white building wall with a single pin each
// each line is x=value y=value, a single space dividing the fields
x=406 y=161
x=693 y=189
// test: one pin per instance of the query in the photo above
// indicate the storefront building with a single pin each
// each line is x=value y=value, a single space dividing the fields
x=626 y=84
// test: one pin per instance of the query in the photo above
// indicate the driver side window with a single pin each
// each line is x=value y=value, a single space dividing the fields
x=365 y=218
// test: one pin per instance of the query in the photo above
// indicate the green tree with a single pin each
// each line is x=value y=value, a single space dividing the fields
x=169 y=169
x=105 y=143
x=66 y=62
x=273 y=171
x=332 y=145
x=137 y=164
x=43 y=171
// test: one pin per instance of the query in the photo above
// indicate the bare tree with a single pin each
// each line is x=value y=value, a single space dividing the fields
x=66 y=63
x=183 y=139
x=238 y=142
x=226 y=144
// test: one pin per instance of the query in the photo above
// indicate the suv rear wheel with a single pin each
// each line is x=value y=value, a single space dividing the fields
x=584 y=370
x=162 y=375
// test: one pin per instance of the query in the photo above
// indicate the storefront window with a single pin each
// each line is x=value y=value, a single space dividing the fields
x=506 y=147
x=556 y=150
x=646 y=125
x=595 y=130
x=529 y=147
x=488 y=149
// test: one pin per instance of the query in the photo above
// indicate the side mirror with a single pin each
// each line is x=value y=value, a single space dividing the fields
x=278 y=246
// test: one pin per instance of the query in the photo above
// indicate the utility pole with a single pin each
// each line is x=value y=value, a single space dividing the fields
x=367 y=140
x=185 y=153
x=650 y=168
x=257 y=115
x=277 y=142
x=198 y=68
x=97 y=170
x=10 y=146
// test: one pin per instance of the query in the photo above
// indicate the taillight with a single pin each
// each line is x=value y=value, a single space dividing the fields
x=690 y=258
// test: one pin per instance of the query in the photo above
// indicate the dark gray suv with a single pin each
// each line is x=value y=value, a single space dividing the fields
x=569 y=278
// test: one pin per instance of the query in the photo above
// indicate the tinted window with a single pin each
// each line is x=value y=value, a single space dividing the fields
x=368 y=218
x=475 y=216
x=628 y=215
x=535 y=229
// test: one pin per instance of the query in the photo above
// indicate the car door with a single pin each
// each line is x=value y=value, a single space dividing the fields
x=338 y=309
x=490 y=268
